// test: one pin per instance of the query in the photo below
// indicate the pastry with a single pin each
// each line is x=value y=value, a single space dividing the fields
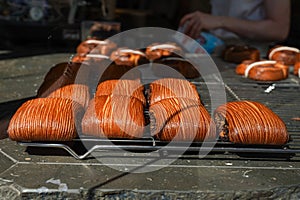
x=60 y=75
x=180 y=119
x=94 y=46
x=248 y=122
x=46 y=119
x=171 y=87
x=76 y=92
x=123 y=88
x=284 y=54
x=114 y=117
x=268 y=70
x=83 y=58
x=127 y=57
x=238 y=53
x=184 y=67
x=160 y=50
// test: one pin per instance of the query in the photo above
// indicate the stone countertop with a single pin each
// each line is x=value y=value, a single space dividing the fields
x=42 y=173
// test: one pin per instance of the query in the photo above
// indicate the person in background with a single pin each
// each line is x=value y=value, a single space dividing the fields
x=251 y=21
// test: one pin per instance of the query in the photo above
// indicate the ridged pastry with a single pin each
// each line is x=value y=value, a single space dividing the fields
x=76 y=92
x=46 y=119
x=248 y=122
x=159 y=50
x=239 y=53
x=122 y=87
x=284 y=54
x=180 y=119
x=171 y=87
x=114 y=117
x=268 y=70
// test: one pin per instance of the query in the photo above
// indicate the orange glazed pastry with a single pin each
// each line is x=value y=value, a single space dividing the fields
x=156 y=50
x=171 y=87
x=123 y=88
x=268 y=70
x=248 y=122
x=127 y=57
x=114 y=117
x=94 y=46
x=180 y=119
x=76 y=92
x=83 y=58
x=46 y=119
x=284 y=54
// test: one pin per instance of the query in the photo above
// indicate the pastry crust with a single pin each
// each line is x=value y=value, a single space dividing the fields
x=122 y=87
x=181 y=119
x=128 y=57
x=248 y=122
x=182 y=66
x=114 y=117
x=46 y=119
x=76 y=92
x=159 y=50
x=238 y=53
x=284 y=54
x=172 y=87
x=94 y=46
x=267 y=70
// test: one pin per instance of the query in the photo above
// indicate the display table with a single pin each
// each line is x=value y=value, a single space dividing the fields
x=51 y=173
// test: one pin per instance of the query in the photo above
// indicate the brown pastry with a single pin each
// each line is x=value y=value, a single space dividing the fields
x=297 y=65
x=248 y=122
x=284 y=54
x=239 y=53
x=123 y=88
x=88 y=73
x=116 y=72
x=76 y=92
x=156 y=50
x=181 y=119
x=94 y=46
x=128 y=57
x=184 y=67
x=60 y=75
x=268 y=70
x=46 y=119
x=171 y=87
x=114 y=117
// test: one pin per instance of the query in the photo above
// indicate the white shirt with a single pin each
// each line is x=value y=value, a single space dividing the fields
x=242 y=9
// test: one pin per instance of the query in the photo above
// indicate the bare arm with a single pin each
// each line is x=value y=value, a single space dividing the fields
x=274 y=28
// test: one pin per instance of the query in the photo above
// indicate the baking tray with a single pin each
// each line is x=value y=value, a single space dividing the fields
x=150 y=144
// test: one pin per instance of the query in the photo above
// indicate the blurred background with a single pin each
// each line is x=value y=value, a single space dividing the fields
x=39 y=26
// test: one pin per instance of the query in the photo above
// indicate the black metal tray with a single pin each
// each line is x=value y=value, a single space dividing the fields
x=88 y=145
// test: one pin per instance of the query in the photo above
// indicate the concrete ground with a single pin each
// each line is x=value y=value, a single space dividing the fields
x=46 y=173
